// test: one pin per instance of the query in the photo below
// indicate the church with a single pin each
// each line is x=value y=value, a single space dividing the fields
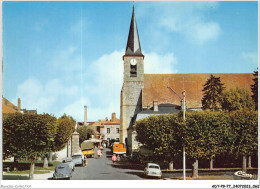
x=143 y=95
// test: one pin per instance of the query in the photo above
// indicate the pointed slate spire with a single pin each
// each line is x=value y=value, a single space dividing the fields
x=133 y=46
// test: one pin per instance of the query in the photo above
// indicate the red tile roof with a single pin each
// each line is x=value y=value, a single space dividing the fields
x=155 y=87
x=8 y=107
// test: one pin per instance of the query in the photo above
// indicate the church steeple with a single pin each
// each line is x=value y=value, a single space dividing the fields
x=133 y=46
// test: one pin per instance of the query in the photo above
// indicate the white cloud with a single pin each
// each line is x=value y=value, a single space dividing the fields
x=67 y=60
x=31 y=92
x=107 y=80
x=45 y=97
x=156 y=64
x=75 y=109
x=187 y=18
x=55 y=87
x=99 y=89
x=203 y=32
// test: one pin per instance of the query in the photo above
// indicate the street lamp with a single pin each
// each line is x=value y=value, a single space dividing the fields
x=183 y=108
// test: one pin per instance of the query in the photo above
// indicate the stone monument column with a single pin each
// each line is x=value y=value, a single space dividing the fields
x=75 y=143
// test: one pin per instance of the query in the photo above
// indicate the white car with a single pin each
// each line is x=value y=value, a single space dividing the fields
x=153 y=170
x=78 y=159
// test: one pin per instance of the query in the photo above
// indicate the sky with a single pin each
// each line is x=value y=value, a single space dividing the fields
x=60 y=56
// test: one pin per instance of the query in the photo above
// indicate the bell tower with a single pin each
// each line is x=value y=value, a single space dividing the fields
x=131 y=93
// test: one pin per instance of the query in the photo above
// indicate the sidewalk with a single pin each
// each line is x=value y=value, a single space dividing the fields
x=44 y=176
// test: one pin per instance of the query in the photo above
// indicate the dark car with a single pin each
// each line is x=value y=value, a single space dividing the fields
x=62 y=171
x=70 y=162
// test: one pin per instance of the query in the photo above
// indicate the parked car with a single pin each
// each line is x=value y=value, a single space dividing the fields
x=70 y=162
x=152 y=170
x=62 y=171
x=118 y=148
x=78 y=159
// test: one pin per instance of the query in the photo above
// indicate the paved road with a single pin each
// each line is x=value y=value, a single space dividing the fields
x=104 y=169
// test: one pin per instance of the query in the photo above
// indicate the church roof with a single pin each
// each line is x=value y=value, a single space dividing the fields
x=8 y=107
x=164 y=108
x=133 y=46
x=155 y=87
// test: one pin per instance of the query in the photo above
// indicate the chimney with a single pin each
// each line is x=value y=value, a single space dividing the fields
x=155 y=105
x=85 y=115
x=19 y=105
x=113 y=118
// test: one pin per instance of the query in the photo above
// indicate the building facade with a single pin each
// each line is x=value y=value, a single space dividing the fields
x=106 y=129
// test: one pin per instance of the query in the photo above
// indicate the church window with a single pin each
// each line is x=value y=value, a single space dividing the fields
x=133 y=69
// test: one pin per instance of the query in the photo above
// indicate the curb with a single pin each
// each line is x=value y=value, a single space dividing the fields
x=208 y=170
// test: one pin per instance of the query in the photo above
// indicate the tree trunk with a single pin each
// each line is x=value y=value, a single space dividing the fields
x=50 y=156
x=45 y=163
x=195 y=171
x=244 y=164
x=249 y=162
x=31 y=170
x=171 y=166
x=211 y=163
x=15 y=164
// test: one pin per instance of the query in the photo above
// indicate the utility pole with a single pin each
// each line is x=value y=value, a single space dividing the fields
x=184 y=157
x=183 y=108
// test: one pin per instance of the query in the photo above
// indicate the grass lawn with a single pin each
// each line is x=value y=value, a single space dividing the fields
x=37 y=170
x=27 y=172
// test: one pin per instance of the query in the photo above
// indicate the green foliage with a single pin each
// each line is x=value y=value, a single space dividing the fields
x=161 y=134
x=254 y=89
x=85 y=133
x=212 y=93
x=28 y=135
x=65 y=128
x=204 y=134
x=244 y=126
x=236 y=99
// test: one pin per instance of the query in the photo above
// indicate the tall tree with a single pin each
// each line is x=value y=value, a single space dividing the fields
x=28 y=136
x=161 y=134
x=237 y=99
x=254 y=89
x=195 y=133
x=65 y=128
x=213 y=89
x=244 y=126
x=84 y=133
